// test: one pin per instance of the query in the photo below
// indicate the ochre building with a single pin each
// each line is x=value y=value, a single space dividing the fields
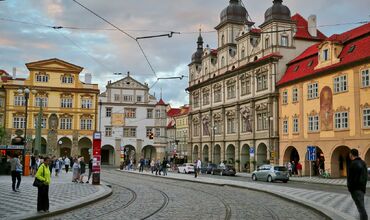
x=325 y=102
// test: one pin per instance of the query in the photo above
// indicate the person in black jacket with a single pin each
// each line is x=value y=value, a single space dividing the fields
x=356 y=182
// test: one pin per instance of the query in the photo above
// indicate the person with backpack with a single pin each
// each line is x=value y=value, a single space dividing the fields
x=43 y=174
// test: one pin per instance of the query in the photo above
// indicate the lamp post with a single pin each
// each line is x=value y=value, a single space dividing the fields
x=100 y=107
x=26 y=92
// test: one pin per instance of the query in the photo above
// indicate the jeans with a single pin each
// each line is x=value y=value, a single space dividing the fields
x=358 y=198
x=16 y=176
x=164 y=171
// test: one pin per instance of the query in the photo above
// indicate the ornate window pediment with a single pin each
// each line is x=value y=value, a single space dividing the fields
x=312 y=113
x=295 y=116
x=342 y=109
x=230 y=114
x=196 y=120
x=231 y=81
x=262 y=106
x=41 y=94
x=66 y=95
x=19 y=114
x=217 y=117
x=205 y=90
x=65 y=115
x=366 y=105
x=217 y=86
x=285 y=117
x=87 y=116
x=245 y=111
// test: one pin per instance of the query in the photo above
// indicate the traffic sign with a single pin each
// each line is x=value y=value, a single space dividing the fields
x=311 y=153
x=251 y=152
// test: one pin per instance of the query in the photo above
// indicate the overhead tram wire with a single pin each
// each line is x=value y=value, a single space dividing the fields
x=122 y=31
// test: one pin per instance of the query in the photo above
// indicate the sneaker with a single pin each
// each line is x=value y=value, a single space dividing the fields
x=87 y=181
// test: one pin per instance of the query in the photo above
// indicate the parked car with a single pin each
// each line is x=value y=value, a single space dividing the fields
x=186 y=168
x=207 y=168
x=227 y=170
x=271 y=173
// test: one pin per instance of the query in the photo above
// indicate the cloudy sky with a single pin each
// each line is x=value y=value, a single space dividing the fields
x=92 y=44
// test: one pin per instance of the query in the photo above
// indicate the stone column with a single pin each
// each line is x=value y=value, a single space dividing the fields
x=52 y=139
x=75 y=150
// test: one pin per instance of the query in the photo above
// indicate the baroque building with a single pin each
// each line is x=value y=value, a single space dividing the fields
x=128 y=114
x=234 y=103
x=69 y=108
x=325 y=102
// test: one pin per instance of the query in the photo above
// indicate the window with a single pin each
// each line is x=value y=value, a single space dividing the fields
x=295 y=125
x=130 y=112
x=86 y=124
x=313 y=123
x=196 y=101
x=284 y=41
x=67 y=79
x=222 y=62
x=310 y=63
x=340 y=84
x=352 y=48
x=43 y=122
x=242 y=53
x=1 y=102
x=285 y=127
x=267 y=43
x=325 y=54
x=196 y=130
x=66 y=123
x=217 y=127
x=285 y=97
x=295 y=95
x=42 y=78
x=129 y=132
x=157 y=113
x=230 y=125
x=66 y=103
x=245 y=86
x=261 y=82
x=86 y=103
x=127 y=98
x=217 y=95
x=222 y=40
x=108 y=131
x=206 y=129
x=108 y=112
x=41 y=101
x=19 y=122
x=149 y=113
x=366 y=117
x=365 y=78
x=116 y=97
x=206 y=98
x=246 y=126
x=341 y=120
x=231 y=91
x=157 y=132
x=313 y=91
x=138 y=98
x=149 y=131
x=262 y=121
x=19 y=101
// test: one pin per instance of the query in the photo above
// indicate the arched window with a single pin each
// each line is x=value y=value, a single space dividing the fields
x=222 y=62
x=267 y=43
x=222 y=40
x=242 y=53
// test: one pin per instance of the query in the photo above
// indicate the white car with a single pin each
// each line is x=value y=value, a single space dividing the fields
x=186 y=168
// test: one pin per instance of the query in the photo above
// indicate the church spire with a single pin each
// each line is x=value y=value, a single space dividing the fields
x=200 y=40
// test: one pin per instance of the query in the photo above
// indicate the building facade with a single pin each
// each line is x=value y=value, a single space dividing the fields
x=128 y=114
x=234 y=103
x=325 y=102
x=182 y=132
x=69 y=108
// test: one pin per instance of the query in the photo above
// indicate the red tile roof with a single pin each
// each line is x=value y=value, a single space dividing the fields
x=161 y=102
x=173 y=112
x=256 y=30
x=300 y=68
x=171 y=124
x=302 y=29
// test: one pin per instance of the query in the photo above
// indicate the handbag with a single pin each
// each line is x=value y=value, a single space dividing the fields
x=37 y=182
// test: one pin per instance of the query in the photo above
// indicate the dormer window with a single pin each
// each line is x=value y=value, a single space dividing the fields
x=67 y=79
x=284 y=41
x=352 y=48
x=267 y=43
x=310 y=63
x=325 y=54
x=222 y=62
x=42 y=78
x=296 y=68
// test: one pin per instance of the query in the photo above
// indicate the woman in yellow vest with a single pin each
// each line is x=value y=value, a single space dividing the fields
x=43 y=174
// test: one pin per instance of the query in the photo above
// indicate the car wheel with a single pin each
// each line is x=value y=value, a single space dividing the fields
x=254 y=178
x=269 y=179
x=285 y=181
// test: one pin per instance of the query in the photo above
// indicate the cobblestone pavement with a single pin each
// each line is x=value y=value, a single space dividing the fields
x=63 y=194
x=147 y=197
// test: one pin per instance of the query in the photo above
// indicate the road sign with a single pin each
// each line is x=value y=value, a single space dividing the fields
x=251 y=152
x=311 y=153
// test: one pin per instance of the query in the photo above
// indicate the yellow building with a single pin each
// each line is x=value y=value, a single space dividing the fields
x=182 y=132
x=325 y=102
x=69 y=108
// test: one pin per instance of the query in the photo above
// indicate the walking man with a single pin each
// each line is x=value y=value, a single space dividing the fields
x=16 y=172
x=198 y=165
x=356 y=182
x=67 y=163
x=164 y=166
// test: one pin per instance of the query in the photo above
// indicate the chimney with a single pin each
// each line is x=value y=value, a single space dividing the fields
x=14 y=72
x=312 y=25
x=88 y=78
x=128 y=73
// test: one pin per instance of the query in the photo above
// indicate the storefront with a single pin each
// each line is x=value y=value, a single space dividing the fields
x=7 y=152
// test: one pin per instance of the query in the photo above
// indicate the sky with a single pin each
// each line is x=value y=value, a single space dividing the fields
x=92 y=44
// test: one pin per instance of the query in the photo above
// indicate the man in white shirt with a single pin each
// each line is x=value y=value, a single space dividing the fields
x=197 y=167
x=67 y=163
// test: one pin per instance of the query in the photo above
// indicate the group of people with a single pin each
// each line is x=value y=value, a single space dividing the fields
x=159 y=166
x=294 y=168
x=79 y=170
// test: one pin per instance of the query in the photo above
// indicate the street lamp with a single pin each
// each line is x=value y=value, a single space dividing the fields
x=26 y=92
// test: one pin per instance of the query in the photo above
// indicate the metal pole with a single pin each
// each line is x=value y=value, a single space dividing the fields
x=100 y=104
x=27 y=95
x=310 y=168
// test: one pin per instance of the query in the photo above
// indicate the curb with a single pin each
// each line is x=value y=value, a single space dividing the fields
x=330 y=214
x=72 y=206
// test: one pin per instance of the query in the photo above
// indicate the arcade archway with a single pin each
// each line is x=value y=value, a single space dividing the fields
x=217 y=154
x=107 y=155
x=65 y=146
x=205 y=154
x=195 y=153
x=149 y=152
x=84 y=144
x=230 y=154
x=245 y=158
x=261 y=154
x=340 y=161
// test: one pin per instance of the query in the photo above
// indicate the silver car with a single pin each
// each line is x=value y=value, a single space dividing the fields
x=271 y=173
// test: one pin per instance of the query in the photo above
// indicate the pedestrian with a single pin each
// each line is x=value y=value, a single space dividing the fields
x=152 y=164
x=16 y=172
x=33 y=165
x=67 y=163
x=51 y=165
x=356 y=182
x=90 y=170
x=289 y=165
x=57 y=166
x=141 y=164
x=43 y=174
x=299 y=169
x=293 y=168
x=82 y=169
x=76 y=170
x=164 y=166
x=38 y=163
x=158 y=167
x=198 y=165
